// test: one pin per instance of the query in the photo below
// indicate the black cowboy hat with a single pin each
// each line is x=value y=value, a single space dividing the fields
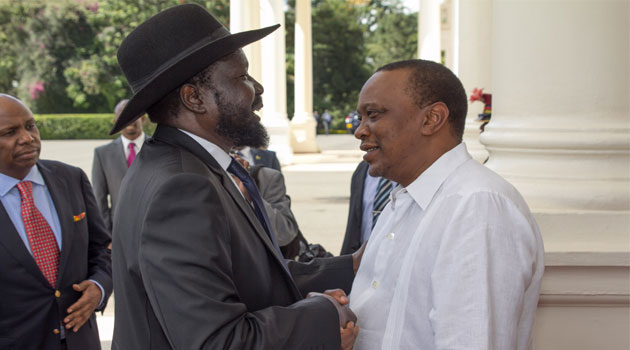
x=168 y=49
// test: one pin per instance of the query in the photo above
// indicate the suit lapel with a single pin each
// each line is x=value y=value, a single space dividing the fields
x=174 y=137
x=119 y=154
x=14 y=245
x=60 y=195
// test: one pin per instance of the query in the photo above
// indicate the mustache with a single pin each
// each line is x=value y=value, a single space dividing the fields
x=257 y=104
x=27 y=150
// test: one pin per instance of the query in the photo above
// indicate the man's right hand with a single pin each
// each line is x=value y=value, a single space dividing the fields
x=345 y=314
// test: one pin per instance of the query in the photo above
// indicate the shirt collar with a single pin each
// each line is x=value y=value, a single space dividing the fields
x=424 y=187
x=8 y=182
x=215 y=151
x=138 y=141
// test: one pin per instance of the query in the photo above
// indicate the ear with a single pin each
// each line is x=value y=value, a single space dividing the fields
x=191 y=99
x=436 y=119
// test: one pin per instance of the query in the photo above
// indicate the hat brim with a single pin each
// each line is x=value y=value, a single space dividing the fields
x=177 y=73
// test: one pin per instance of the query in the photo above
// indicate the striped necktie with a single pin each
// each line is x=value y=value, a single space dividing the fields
x=381 y=198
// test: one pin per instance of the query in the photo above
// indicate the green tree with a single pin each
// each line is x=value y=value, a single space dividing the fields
x=392 y=33
x=62 y=54
x=339 y=67
x=99 y=73
x=393 y=38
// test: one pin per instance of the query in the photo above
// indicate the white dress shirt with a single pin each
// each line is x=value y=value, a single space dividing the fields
x=455 y=261
x=217 y=153
x=138 y=142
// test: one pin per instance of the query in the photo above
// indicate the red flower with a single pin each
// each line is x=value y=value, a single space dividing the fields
x=477 y=95
x=36 y=89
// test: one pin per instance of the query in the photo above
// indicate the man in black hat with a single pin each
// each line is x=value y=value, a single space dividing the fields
x=196 y=263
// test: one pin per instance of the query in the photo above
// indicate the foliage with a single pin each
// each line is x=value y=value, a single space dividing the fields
x=339 y=67
x=393 y=35
x=60 y=56
x=78 y=126
x=63 y=54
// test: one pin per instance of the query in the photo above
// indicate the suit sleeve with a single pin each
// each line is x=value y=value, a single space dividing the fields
x=99 y=256
x=277 y=205
x=321 y=274
x=352 y=238
x=99 y=183
x=186 y=262
x=275 y=163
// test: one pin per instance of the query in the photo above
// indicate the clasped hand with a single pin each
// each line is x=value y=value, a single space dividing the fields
x=347 y=318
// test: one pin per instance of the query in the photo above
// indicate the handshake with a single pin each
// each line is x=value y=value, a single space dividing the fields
x=347 y=318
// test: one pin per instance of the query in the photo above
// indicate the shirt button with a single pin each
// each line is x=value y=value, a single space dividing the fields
x=56 y=331
x=375 y=284
x=57 y=293
x=390 y=236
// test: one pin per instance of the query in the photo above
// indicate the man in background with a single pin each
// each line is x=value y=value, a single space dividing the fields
x=55 y=265
x=368 y=197
x=326 y=120
x=258 y=156
x=111 y=162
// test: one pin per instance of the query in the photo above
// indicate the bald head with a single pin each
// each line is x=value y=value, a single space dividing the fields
x=19 y=138
x=119 y=108
x=133 y=130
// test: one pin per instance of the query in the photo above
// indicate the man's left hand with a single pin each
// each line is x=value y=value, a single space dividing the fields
x=80 y=312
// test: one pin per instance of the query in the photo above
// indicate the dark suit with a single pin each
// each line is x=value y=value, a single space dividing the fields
x=29 y=309
x=265 y=158
x=352 y=239
x=194 y=268
x=108 y=169
x=270 y=183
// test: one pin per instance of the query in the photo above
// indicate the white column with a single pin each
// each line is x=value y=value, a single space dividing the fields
x=429 y=30
x=303 y=125
x=449 y=33
x=245 y=15
x=475 y=63
x=560 y=132
x=274 y=114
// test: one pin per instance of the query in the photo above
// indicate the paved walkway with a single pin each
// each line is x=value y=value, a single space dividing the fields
x=319 y=186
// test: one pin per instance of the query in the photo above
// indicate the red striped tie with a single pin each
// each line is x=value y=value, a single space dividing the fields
x=40 y=235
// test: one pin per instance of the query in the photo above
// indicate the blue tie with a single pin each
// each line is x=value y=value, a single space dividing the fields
x=381 y=198
x=259 y=208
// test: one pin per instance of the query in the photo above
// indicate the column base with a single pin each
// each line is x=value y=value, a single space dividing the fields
x=303 y=131
x=277 y=126
x=471 y=138
x=584 y=302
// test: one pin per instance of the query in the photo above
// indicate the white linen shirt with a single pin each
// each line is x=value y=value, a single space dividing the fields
x=454 y=262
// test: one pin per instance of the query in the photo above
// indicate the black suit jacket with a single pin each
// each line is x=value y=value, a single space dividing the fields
x=265 y=158
x=352 y=239
x=29 y=309
x=108 y=169
x=194 y=268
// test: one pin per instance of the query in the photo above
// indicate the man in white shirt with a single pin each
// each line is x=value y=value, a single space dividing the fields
x=111 y=162
x=456 y=259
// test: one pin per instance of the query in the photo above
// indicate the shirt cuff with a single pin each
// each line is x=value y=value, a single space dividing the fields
x=100 y=303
